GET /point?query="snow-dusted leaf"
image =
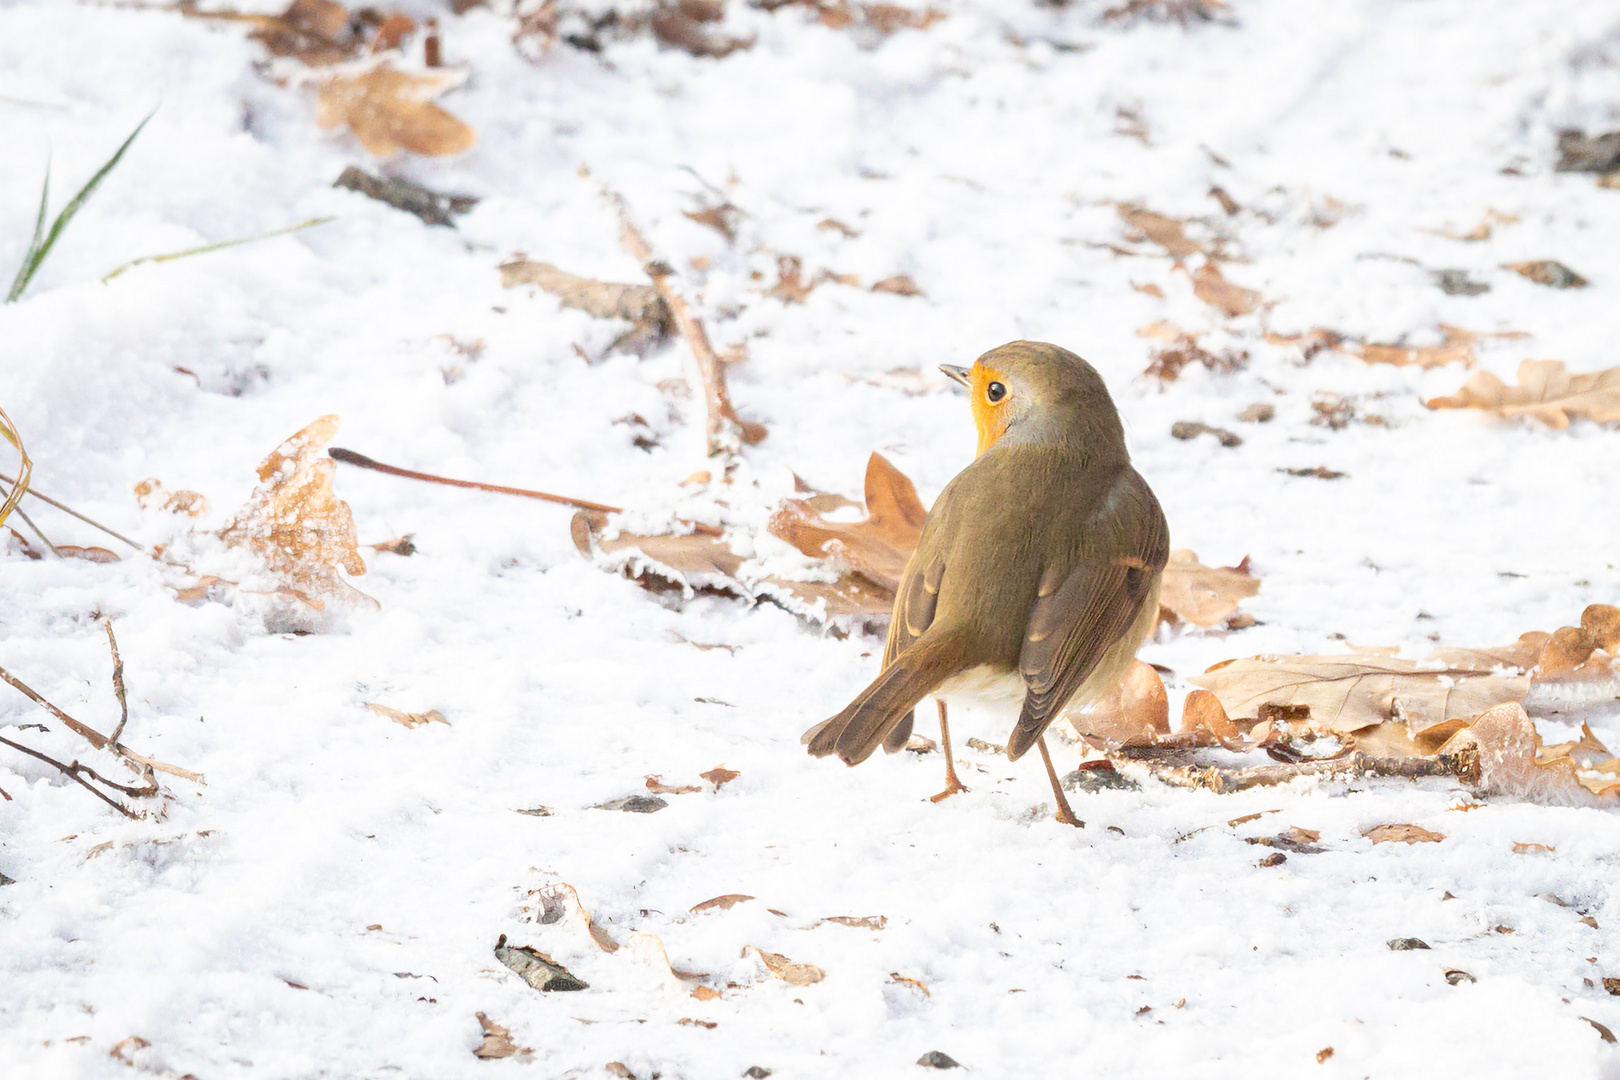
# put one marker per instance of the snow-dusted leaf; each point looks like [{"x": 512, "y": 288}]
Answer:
[
  {"x": 497, "y": 1042},
  {"x": 720, "y": 776},
  {"x": 409, "y": 719},
  {"x": 1159, "y": 228},
  {"x": 296, "y": 524},
  {"x": 877, "y": 546},
  {"x": 1403, "y": 834},
  {"x": 722, "y": 903},
  {"x": 150, "y": 493},
  {"x": 1456, "y": 348},
  {"x": 897, "y": 285},
  {"x": 390, "y": 110},
  {"x": 789, "y": 971},
  {"x": 1134, "y": 713},
  {"x": 1212, "y": 287},
  {"x": 1545, "y": 391},
  {"x": 1351, "y": 692},
  {"x": 1549, "y": 272},
  {"x": 865, "y": 922},
  {"x": 1509, "y": 755},
  {"x": 88, "y": 554},
  {"x": 315, "y": 32},
  {"x": 656, "y": 785},
  {"x": 1204, "y": 595}
]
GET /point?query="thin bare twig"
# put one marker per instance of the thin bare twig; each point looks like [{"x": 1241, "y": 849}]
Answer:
[
  {"x": 44, "y": 498},
  {"x": 726, "y": 430},
  {"x": 96, "y": 738},
  {"x": 1221, "y": 780},
  {"x": 72, "y": 773},
  {"x": 30, "y": 523},
  {"x": 118, "y": 683},
  {"x": 349, "y": 457}
]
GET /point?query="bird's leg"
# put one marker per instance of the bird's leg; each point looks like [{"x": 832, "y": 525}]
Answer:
[
  {"x": 1064, "y": 814},
  {"x": 952, "y": 784}
]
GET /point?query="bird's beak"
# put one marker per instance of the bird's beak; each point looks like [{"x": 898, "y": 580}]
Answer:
[{"x": 960, "y": 374}]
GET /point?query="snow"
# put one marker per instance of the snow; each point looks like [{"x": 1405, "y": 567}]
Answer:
[{"x": 375, "y": 866}]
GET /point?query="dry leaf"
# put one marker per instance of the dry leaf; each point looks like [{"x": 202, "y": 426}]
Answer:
[
  {"x": 722, "y": 903},
  {"x": 865, "y": 922},
  {"x": 1183, "y": 350},
  {"x": 790, "y": 287},
  {"x": 1134, "y": 713},
  {"x": 1507, "y": 748},
  {"x": 1405, "y": 834},
  {"x": 1202, "y": 712},
  {"x": 899, "y": 285},
  {"x": 126, "y": 1048},
  {"x": 656, "y": 785},
  {"x": 1532, "y": 849},
  {"x": 88, "y": 554},
  {"x": 409, "y": 719},
  {"x": 1351, "y": 692},
  {"x": 878, "y": 546},
  {"x": 561, "y": 905},
  {"x": 720, "y": 776},
  {"x": 1545, "y": 391},
  {"x": 1210, "y": 286},
  {"x": 189, "y": 503},
  {"x": 705, "y": 993},
  {"x": 1549, "y": 272},
  {"x": 640, "y": 304},
  {"x": 497, "y": 1041},
  {"x": 297, "y": 526},
  {"x": 680, "y": 26},
  {"x": 399, "y": 545},
  {"x": 1162, "y": 230},
  {"x": 1204, "y": 595},
  {"x": 1458, "y": 347},
  {"x": 392, "y": 110},
  {"x": 794, "y": 974},
  {"x": 1179, "y": 11},
  {"x": 722, "y": 219},
  {"x": 906, "y": 980},
  {"x": 315, "y": 32}
]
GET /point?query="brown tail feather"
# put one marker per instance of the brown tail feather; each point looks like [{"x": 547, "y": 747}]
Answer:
[{"x": 857, "y": 731}]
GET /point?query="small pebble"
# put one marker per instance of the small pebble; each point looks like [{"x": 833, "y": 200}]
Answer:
[
  {"x": 934, "y": 1059},
  {"x": 1402, "y": 944}
]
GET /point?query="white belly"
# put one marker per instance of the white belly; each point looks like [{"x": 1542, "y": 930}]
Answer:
[{"x": 985, "y": 687}]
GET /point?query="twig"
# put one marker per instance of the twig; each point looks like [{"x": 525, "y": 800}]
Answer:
[
  {"x": 30, "y": 523},
  {"x": 118, "y": 684},
  {"x": 44, "y": 498},
  {"x": 96, "y": 738},
  {"x": 725, "y": 429},
  {"x": 1223, "y": 780},
  {"x": 349, "y": 457},
  {"x": 72, "y": 772}
]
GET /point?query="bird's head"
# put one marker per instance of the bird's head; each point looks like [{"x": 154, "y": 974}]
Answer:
[{"x": 1035, "y": 393}]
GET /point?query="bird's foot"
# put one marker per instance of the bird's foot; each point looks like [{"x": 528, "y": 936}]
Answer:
[
  {"x": 952, "y": 787},
  {"x": 1065, "y": 816}
]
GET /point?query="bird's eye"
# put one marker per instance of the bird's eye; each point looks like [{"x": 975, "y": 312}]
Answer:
[{"x": 995, "y": 392}]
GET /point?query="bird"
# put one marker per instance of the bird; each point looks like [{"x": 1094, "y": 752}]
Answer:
[{"x": 1036, "y": 577}]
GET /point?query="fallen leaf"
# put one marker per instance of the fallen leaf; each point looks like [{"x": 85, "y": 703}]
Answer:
[
  {"x": 640, "y": 304},
  {"x": 634, "y": 804},
  {"x": 536, "y": 968},
  {"x": 1405, "y": 834},
  {"x": 899, "y": 285},
  {"x": 720, "y": 776},
  {"x": 1348, "y": 693},
  {"x": 298, "y": 526},
  {"x": 1457, "y": 976},
  {"x": 1134, "y": 713},
  {"x": 939, "y": 1059},
  {"x": 906, "y": 980},
  {"x": 680, "y": 26},
  {"x": 865, "y": 922},
  {"x": 1323, "y": 1054},
  {"x": 409, "y": 719},
  {"x": 1179, "y": 11},
  {"x": 88, "y": 554},
  {"x": 656, "y": 785},
  {"x": 722, "y": 903},
  {"x": 794, "y": 974},
  {"x": 1603, "y": 1032},
  {"x": 1203, "y": 595},
  {"x": 1316, "y": 472},
  {"x": 1191, "y": 429},
  {"x": 126, "y": 1048},
  {"x": 1549, "y": 272},
  {"x": 921, "y": 744},
  {"x": 721, "y": 218},
  {"x": 560, "y": 904},
  {"x": 1457, "y": 347},
  {"x": 1202, "y": 712},
  {"x": 1545, "y": 391},
  {"x": 1579, "y": 152},
  {"x": 1210, "y": 286},
  {"x": 790, "y": 287},
  {"x": 497, "y": 1041},
  {"x": 1532, "y": 849},
  {"x": 390, "y": 110},
  {"x": 878, "y": 546},
  {"x": 1159, "y": 228},
  {"x": 189, "y": 503},
  {"x": 1506, "y": 745},
  {"x": 705, "y": 993},
  {"x": 315, "y": 32},
  {"x": 1184, "y": 350},
  {"x": 1310, "y": 343},
  {"x": 400, "y": 545},
  {"x": 689, "y": 1022},
  {"x": 884, "y": 19}
]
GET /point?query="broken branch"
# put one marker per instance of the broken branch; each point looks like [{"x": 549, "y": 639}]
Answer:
[
  {"x": 118, "y": 683},
  {"x": 73, "y": 771},
  {"x": 724, "y": 428},
  {"x": 1224, "y": 780},
  {"x": 349, "y": 457}
]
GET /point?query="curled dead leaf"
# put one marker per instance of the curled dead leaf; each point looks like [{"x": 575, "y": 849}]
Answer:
[
  {"x": 1204, "y": 595},
  {"x": 898, "y": 285},
  {"x": 722, "y": 903},
  {"x": 720, "y": 776},
  {"x": 390, "y": 110},
  {"x": 1402, "y": 833},
  {"x": 296, "y": 524},
  {"x": 878, "y": 546},
  {"x": 906, "y": 980},
  {"x": 409, "y": 719},
  {"x": 656, "y": 785},
  {"x": 865, "y": 922},
  {"x": 1507, "y": 748},
  {"x": 790, "y": 972},
  {"x": 1212, "y": 287},
  {"x": 1545, "y": 391},
  {"x": 497, "y": 1042},
  {"x": 88, "y": 554},
  {"x": 1134, "y": 713}
]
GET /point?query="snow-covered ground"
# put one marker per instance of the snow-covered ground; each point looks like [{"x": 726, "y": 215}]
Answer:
[{"x": 328, "y": 904}]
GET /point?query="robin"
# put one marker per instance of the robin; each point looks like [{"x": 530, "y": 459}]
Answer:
[{"x": 1037, "y": 573}]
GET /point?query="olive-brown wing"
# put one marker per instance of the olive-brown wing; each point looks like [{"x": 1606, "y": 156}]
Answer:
[{"x": 913, "y": 613}]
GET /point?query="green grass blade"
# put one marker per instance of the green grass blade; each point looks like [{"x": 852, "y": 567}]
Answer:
[
  {"x": 26, "y": 270},
  {"x": 220, "y": 246},
  {"x": 37, "y": 258}
]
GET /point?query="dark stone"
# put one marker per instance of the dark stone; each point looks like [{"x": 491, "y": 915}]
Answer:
[
  {"x": 1458, "y": 283},
  {"x": 1578, "y": 152},
  {"x": 757, "y": 1072},
  {"x": 934, "y": 1059},
  {"x": 1403, "y": 944},
  {"x": 7, "y": 881},
  {"x": 1102, "y": 778},
  {"x": 1276, "y": 858},
  {"x": 1455, "y": 976},
  {"x": 634, "y": 804},
  {"x": 536, "y": 968}
]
